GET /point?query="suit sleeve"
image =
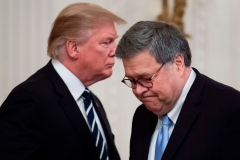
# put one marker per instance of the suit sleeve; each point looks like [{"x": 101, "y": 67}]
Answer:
[
  {"x": 19, "y": 133},
  {"x": 230, "y": 148}
]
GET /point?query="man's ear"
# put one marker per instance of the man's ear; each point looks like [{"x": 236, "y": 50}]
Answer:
[
  {"x": 72, "y": 49},
  {"x": 179, "y": 62}
]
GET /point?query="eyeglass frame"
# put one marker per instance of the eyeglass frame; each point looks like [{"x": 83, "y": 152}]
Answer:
[{"x": 147, "y": 79}]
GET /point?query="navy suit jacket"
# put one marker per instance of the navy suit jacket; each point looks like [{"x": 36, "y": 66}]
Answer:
[
  {"x": 41, "y": 120},
  {"x": 208, "y": 126}
]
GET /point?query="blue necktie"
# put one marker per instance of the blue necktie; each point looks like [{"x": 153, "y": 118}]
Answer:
[
  {"x": 162, "y": 138},
  {"x": 99, "y": 142}
]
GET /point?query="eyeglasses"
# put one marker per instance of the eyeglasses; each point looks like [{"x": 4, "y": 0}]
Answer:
[{"x": 145, "y": 82}]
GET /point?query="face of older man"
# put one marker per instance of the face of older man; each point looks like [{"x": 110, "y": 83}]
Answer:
[
  {"x": 166, "y": 87},
  {"x": 97, "y": 54}
]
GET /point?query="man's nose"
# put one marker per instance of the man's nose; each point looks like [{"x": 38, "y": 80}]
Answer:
[
  {"x": 140, "y": 89},
  {"x": 113, "y": 48}
]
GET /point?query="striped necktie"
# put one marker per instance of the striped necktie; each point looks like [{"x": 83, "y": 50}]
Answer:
[
  {"x": 99, "y": 141},
  {"x": 162, "y": 139}
]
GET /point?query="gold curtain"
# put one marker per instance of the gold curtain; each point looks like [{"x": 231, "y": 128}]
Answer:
[{"x": 177, "y": 16}]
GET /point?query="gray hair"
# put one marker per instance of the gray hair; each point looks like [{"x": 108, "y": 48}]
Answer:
[{"x": 162, "y": 40}]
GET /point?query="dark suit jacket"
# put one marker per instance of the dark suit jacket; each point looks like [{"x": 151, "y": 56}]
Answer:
[
  {"x": 41, "y": 120},
  {"x": 208, "y": 126}
]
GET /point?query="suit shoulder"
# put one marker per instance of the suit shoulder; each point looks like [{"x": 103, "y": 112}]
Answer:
[
  {"x": 35, "y": 86},
  {"x": 221, "y": 89}
]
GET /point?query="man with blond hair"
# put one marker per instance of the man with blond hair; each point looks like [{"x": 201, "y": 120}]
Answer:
[{"x": 53, "y": 114}]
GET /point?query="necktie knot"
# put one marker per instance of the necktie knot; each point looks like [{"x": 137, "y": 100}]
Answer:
[
  {"x": 86, "y": 94},
  {"x": 166, "y": 120}
]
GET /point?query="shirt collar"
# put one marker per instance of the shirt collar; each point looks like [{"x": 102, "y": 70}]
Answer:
[
  {"x": 74, "y": 85},
  {"x": 174, "y": 113}
]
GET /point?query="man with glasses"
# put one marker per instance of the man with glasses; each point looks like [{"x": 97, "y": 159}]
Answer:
[{"x": 184, "y": 115}]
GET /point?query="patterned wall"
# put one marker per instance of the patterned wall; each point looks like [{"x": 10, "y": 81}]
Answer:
[{"x": 25, "y": 25}]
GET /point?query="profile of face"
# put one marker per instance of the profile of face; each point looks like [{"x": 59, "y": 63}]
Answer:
[
  {"x": 166, "y": 83},
  {"x": 98, "y": 53}
]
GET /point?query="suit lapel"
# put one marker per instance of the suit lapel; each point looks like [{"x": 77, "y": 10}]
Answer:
[
  {"x": 112, "y": 150},
  {"x": 101, "y": 113},
  {"x": 143, "y": 126},
  {"x": 71, "y": 109},
  {"x": 186, "y": 117},
  {"x": 150, "y": 130}
]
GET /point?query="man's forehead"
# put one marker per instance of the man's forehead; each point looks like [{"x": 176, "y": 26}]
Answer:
[
  {"x": 142, "y": 59},
  {"x": 137, "y": 70}
]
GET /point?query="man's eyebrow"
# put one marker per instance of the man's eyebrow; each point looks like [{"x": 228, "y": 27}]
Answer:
[
  {"x": 111, "y": 38},
  {"x": 142, "y": 75}
]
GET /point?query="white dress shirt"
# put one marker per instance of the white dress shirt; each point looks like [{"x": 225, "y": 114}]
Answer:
[
  {"x": 173, "y": 115},
  {"x": 76, "y": 88}
]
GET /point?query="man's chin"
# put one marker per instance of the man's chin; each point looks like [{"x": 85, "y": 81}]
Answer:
[
  {"x": 153, "y": 108},
  {"x": 106, "y": 74},
  {"x": 150, "y": 106}
]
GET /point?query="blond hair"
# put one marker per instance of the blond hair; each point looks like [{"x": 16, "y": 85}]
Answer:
[{"x": 76, "y": 22}]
